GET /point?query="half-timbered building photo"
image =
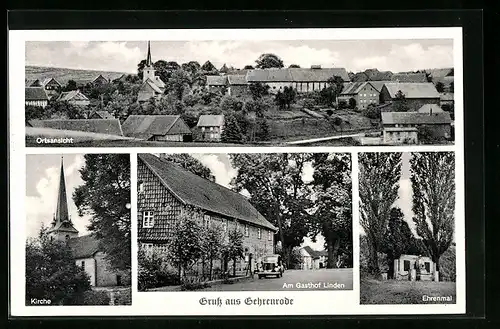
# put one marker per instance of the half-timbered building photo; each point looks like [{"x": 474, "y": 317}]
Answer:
[
  {"x": 239, "y": 221},
  {"x": 78, "y": 249}
]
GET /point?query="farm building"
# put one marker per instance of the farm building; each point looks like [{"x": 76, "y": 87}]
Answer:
[
  {"x": 101, "y": 126},
  {"x": 74, "y": 97},
  {"x": 100, "y": 80},
  {"x": 157, "y": 128},
  {"x": 364, "y": 93},
  {"x": 217, "y": 83},
  {"x": 166, "y": 190},
  {"x": 51, "y": 84},
  {"x": 415, "y": 94},
  {"x": 210, "y": 126},
  {"x": 312, "y": 259},
  {"x": 237, "y": 85},
  {"x": 402, "y": 127},
  {"x": 35, "y": 96},
  {"x": 302, "y": 80},
  {"x": 87, "y": 252}
]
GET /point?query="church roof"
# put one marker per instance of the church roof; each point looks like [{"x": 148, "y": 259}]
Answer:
[
  {"x": 84, "y": 246},
  {"x": 202, "y": 193},
  {"x": 149, "y": 62}
]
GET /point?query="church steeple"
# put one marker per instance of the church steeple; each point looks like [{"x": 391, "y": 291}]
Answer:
[
  {"x": 148, "y": 72},
  {"x": 149, "y": 62},
  {"x": 62, "y": 227},
  {"x": 62, "y": 214}
]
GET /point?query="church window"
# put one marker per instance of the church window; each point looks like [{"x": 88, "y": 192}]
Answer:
[
  {"x": 247, "y": 232},
  {"x": 224, "y": 226},
  {"x": 148, "y": 219},
  {"x": 259, "y": 233},
  {"x": 83, "y": 265},
  {"x": 269, "y": 235},
  {"x": 67, "y": 236},
  {"x": 206, "y": 220}
]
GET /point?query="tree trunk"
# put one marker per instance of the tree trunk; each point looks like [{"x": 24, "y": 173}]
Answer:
[
  {"x": 211, "y": 267},
  {"x": 234, "y": 267},
  {"x": 390, "y": 261},
  {"x": 373, "y": 262},
  {"x": 335, "y": 255}
]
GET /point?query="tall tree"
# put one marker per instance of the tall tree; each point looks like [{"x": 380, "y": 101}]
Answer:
[
  {"x": 333, "y": 215},
  {"x": 439, "y": 87},
  {"x": 267, "y": 61},
  {"x": 208, "y": 67},
  {"x": 191, "y": 67},
  {"x": 401, "y": 104},
  {"x": 105, "y": 195},
  {"x": 379, "y": 175},
  {"x": 248, "y": 67},
  {"x": 258, "y": 89},
  {"x": 433, "y": 185},
  {"x": 275, "y": 183},
  {"x": 189, "y": 163},
  {"x": 231, "y": 132},
  {"x": 140, "y": 68},
  {"x": 70, "y": 85},
  {"x": 399, "y": 239},
  {"x": 51, "y": 272},
  {"x": 178, "y": 83}
]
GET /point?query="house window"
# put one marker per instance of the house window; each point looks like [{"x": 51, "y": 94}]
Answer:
[
  {"x": 269, "y": 236},
  {"x": 141, "y": 187},
  {"x": 148, "y": 219},
  {"x": 406, "y": 265},
  {"x": 83, "y": 265},
  {"x": 147, "y": 247},
  {"x": 206, "y": 220},
  {"x": 259, "y": 233},
  {"x": 247, "y": 232},
  {"x": 224, "y": 226}
]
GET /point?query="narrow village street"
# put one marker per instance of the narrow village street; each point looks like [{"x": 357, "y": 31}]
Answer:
[{"x": 294, "y": 280}]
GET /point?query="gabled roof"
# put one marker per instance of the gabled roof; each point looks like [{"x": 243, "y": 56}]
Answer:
[
  {"x": 35, "y": 94},
  {"x": 103, "y": 114},
  {"x": 102, "y": 126},
  {"x": 202, "y": 193},
  {"x": 150, "y": 83},
  {"x": 354, "y": 88},
  {"x": 409, "y": 77},
  {"x": 379, "y": 84},
  {"x": 412, "y": 90},
  {"x": 440, "y": 73},
  {"x": 147, "y": 126},
  {"x": 315, "y": 253},
  {"x": 211, "y": 120},
  {"x": 34, "y": 83},
  {"x": 84, "y": 246},
  {"x": 237, "y": 79},
  {"x": 296, "y": 75},
  {"x": 430, "y": 108},
  {"x": 50, "y": 80},
  {"x": 415, "y": 118},
  {"x": 99, "y": 77},
  {"x": 216, "y": 80},
  {"x": 72, "y": 95}
]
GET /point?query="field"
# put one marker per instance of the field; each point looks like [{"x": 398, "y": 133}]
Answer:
[
  {"x": 63, "y": 75},
  {"x": 404, "y": 292}
]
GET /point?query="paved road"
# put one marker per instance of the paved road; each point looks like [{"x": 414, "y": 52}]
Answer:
[
  {"x": 297, "y": 280},
  {"x": 323, "y": 139}
]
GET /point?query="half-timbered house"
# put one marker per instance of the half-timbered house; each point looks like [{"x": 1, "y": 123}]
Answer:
[{"x": 166, "y": 190}]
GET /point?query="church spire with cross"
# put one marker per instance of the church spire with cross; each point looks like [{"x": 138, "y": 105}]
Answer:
[
  {"x": 62, "y": 228},
  {"x": 149, "y": 62}
]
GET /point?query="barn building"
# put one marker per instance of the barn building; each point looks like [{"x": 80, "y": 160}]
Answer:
[
  {"x": 415, "y": 94},
  {"x": 74, "y": 97},
  {"x": 157, "y": 128},
  {"x": 86, "y": 250},
  {"x": 364, "y": 94},
  {"x": 35, "y": 96},
  {"x": 166, "y": 190}
]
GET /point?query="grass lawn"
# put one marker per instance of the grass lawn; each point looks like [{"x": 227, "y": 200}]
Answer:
[{"x": 404, "y": 292}]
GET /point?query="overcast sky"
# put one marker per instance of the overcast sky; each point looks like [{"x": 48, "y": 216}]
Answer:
[
  {"x": 223, "y": 171},
  {"x": 42, "y": 185},
  {"x": 354, "y": 55}
]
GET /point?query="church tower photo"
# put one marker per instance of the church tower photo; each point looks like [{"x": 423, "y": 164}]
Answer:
[
  {"x": 152, "y": 85},
  {"x": 62, "y": 228}
]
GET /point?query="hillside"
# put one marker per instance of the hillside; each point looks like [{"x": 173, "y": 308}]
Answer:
[{"x": 63, "y": 74}]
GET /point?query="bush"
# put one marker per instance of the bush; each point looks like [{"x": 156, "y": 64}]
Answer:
[
  {"x": 96, "y": 298},
  {"x": 153, "y": 273},
  {"x": 191, "y": 99},
  {"x": 193, "y": 283},
  {"x": 123, "y": 297},
  {"x": 372, "y": 112}
]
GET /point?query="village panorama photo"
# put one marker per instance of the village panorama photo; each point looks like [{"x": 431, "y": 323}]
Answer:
[
  {"x": 244, "y": 222},
  {"x": 78, "y": 247},
  {"x": 239, "y": 93},
  {"x": 407, "y": 219}
]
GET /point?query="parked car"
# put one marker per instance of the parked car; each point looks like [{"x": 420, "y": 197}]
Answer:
[{"x": 270, "y": 265}]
